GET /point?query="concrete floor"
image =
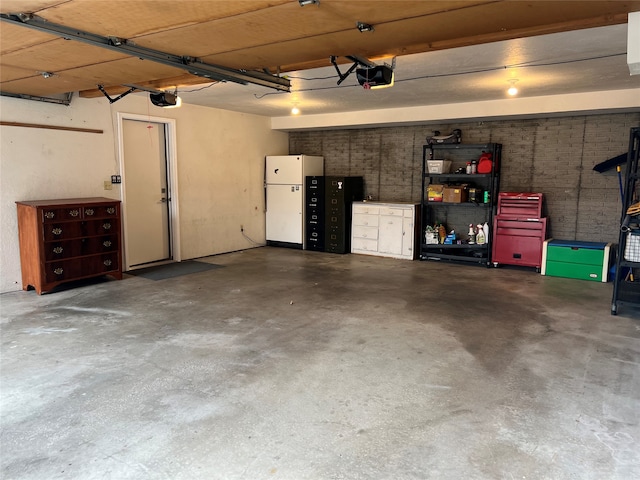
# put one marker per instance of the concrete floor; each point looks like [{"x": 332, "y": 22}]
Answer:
[{"x": 298, "y": 365}]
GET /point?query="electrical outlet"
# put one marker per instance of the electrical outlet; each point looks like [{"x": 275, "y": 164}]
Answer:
[{"x": 108, "y": 185}]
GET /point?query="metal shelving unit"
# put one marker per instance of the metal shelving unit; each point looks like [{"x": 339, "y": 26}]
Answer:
[
  {"x": 626, "y": 284},
  {"x": 457, "y": 215}
]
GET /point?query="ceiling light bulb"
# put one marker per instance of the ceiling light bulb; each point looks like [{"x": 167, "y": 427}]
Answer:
[
  {"x": 512, "y": 89},
  {"x": 295, "y": 111}
]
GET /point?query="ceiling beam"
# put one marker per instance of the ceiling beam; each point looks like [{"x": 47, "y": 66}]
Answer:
[{"x": 192, "y": 65}]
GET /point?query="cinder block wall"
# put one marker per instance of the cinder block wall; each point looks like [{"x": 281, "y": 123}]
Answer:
[{"x": 554, "y": 156}]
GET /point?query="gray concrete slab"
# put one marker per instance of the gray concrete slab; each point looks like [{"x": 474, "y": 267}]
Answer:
[{"x": 298, "y": 365}]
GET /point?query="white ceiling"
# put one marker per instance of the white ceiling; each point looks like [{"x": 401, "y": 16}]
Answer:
[{"x": 555, "y": 64}]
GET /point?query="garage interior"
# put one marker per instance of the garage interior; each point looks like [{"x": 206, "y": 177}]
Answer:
[{"x": 283, "y": 363}]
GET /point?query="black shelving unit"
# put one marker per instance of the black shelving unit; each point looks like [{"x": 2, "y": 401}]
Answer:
[
  {"x": 458, "y": 216},
  {"x": 626, "y": 284}
]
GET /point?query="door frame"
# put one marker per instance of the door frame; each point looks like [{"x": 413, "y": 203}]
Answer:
[{"x": 172, "y": 181}]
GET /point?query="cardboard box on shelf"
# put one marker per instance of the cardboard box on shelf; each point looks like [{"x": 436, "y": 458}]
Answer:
[
  {"x": 434, "y": 192},
  {"x": 454, "y": 194}
]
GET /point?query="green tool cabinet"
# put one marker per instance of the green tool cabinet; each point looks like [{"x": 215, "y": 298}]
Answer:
[{"x": 575, "y": 259}]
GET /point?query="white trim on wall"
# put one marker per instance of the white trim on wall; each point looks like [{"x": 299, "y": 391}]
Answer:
[{"x": 172, "y": 156}]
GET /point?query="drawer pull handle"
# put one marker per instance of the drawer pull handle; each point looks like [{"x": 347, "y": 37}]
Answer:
[
  {"x": 107, "y": 263},
  {"x": 106, "y": 226},
  {"x": 57, "y": 250},
  {"x": 74, "y": 213},
  {"x": 57, "y": 231},
  {"x": 58, "y": 271},
  {"x": 89, "y": 211},
  {"x": 106, "y": 243},
  {"x": 49, "y": 215},
  {"x": 111, "y": 210}
]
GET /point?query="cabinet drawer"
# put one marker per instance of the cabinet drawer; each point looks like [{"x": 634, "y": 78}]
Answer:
[
  {"x": 51, "y": 215},
  {"x": 100, "y": 211},
  {"x": 61, "y": 231},
  {"x": 396, "y": 212},
  {"x": 574, "y": 270},
  {"x": 365, "y": 220},
  {"x": 575, "y": 255},
  {"x": 101, "y": 227},
  {"x": 107, "y": 243},
  {"x": 96, "y": 264},
  {"x": 360, "y": 231},
  {"x": 364, "y": 245},
  {"x": 366, "y": 209},
  {"x": 62, "y": 270},
  {"x": 61, "y": 250}
]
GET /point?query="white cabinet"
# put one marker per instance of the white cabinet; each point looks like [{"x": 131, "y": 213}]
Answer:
[{"x": 385, "y": 229}]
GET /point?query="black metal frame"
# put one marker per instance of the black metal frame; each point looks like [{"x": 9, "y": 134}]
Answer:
[
  {"x": 460, "y": 253},
  {"x": 625, "y": 291}
]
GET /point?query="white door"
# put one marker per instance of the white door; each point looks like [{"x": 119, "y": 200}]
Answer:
[
  {"x": 284, "y": 213},
  {"x": 390, "y": 234},
  {"x": 407, "y": 236},
  {"x": 146, "y": 192},
  {"x": 284, "y": 169}
]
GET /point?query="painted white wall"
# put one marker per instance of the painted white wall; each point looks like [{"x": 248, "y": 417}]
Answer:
[{"x": 220, "y": 163}]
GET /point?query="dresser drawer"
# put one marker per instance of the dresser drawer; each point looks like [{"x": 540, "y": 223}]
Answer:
[
  {"x": 366, "y": 209},
  {"x": 101, "y": 227},
  {"x": 107, "y": 262},
  {"x": 395, "y": 212},
  {"x": 107, "y": 243},
  {"x": 63, "y": 249},
  {"x": 365, "y": 220},
  {"x": 365, "y": 232},
  {"x": 52, "y": 215},
  {"x": 62, "y": 270},
  {"x": 100, "y": 211},
  {"x": 62, "y": 231},
  {"x": 364, "y": 244}
]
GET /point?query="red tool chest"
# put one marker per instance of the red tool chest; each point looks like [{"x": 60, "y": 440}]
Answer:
[{"x": 519, "y": 230}]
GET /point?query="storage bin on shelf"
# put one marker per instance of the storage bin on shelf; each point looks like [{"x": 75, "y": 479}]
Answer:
[
  {"x": 438, "y": 166},
  {"x": 632, "y": 248}
]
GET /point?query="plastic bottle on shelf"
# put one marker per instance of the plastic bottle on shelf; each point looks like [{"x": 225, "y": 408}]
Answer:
[
  {"x": 468, "y": 168},
  {"x": 485, "y": 229},
  {"x": 474, "y": 166},
  {"x": 472, "y": 235},
  {"x": 480, "y": 239}
]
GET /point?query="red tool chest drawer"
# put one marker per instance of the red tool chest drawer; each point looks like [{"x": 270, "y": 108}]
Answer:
[
  {"x": 518, "y": 242},
  {"x": 522, "y": 206}
]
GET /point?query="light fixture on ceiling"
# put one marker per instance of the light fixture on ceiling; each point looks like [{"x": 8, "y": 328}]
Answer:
[
  {"x": 295, "y": 110},
  {"x": 304, "y": 3},
  {"x": 512, "y": 89},
  {"x": 364, "y": 27},
  {"x": 46, "y": 74}
]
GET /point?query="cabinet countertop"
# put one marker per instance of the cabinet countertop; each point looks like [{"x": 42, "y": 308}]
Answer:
[
  {"x": 67, "y": 201},
  {"x": 402, "y": 204}
]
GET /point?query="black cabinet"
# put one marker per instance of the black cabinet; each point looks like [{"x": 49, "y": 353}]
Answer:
[
  {"x": 340, "y": 193},
  {"x": 473, "y": 205},
  {"x": 314, "y": 218},
  {"x": 626, "y": 284}
]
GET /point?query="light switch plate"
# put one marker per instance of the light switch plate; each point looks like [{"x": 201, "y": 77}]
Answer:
[{"x": 107, "y": 185}]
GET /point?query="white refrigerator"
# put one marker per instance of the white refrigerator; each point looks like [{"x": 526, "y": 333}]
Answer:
[{"x": 285, "y": 197}]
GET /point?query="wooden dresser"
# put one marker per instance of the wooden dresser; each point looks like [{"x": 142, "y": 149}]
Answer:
[{"x": 68, "y": 239}]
